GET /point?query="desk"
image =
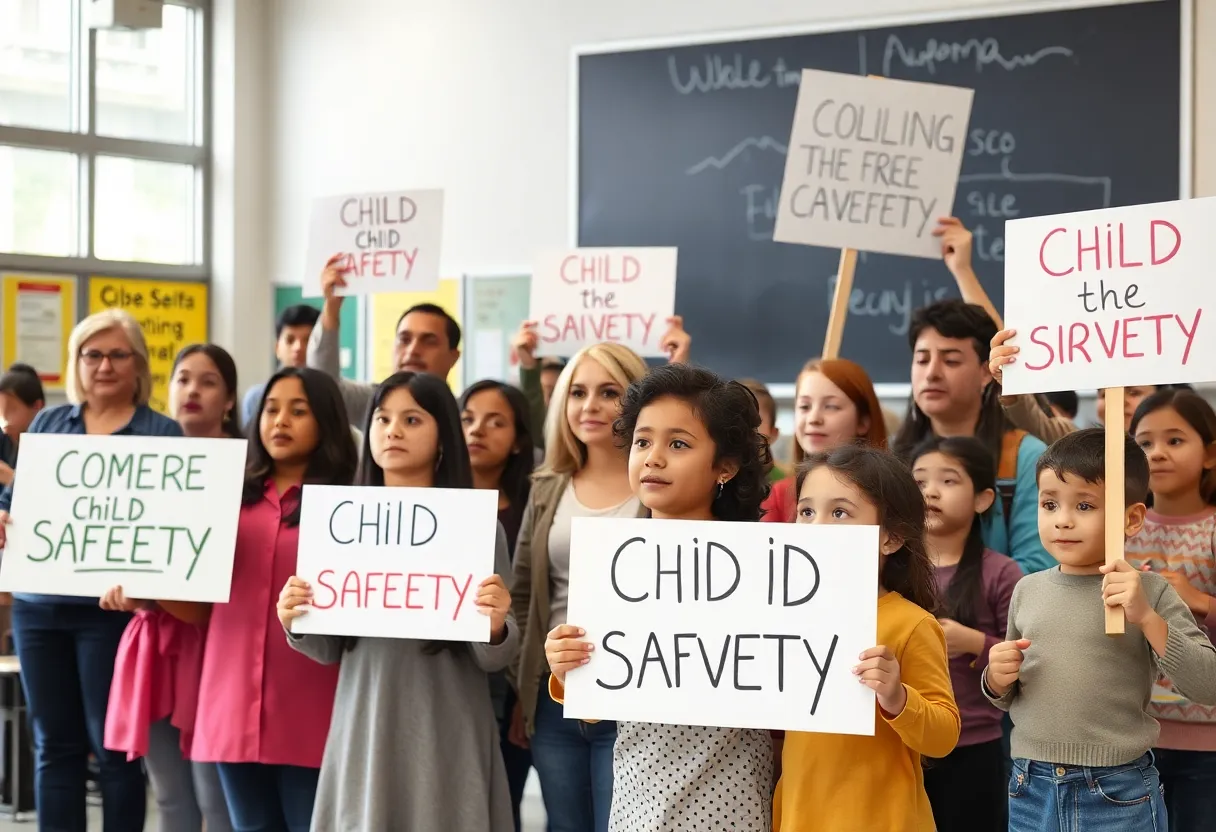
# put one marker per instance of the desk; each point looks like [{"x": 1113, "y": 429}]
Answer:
[{"x": 17, "y": 765}]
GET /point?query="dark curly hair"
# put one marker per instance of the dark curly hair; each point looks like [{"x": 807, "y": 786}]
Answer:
[
  {"x": 730, "y": 414},
  {"x": 888, "y": 484}
]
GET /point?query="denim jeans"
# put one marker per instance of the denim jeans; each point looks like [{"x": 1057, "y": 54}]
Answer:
[
  {"x": 1189, "y": 779},
  {"x": 574, "y": 762},
  {"x": 266, "y": 798},
  {"x": 67, "y": 655},
  {"x": 1045, "y": 797}
]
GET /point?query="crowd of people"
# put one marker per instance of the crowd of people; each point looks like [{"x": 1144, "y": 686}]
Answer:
[{"x": 1000, "y": 702}]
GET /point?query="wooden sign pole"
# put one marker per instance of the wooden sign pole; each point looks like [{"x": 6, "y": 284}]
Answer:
[
  {"x": 840, "y": 303},
  {"x": 1115, "y": 438}
]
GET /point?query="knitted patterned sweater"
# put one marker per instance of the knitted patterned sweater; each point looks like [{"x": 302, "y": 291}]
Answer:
[{"x": 1186, "y": 545}]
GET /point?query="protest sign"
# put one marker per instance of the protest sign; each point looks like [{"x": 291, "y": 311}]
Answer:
[
  {"x": 1109, "y": 298},
  {"x": 396, "y": 562},
  {"x": 872, "y": 163},
  {"x": 389, "y": 241},
  {"x": 154, "y": 515},
  {"x": 589, "y": 295},
  {"x": 740, "y": 625}
]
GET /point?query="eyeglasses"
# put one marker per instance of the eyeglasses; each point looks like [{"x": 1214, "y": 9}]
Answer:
[{"x": 93, "y": 358}]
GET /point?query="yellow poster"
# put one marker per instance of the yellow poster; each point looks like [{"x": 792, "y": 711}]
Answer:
[
  {"x": 39, "y": 313},
  {"x": 386, "y": 310},
  {"x": 171, "y": 313}
]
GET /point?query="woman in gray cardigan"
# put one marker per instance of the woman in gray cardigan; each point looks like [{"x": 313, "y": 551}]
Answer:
[{"x": 414, "y": 741}]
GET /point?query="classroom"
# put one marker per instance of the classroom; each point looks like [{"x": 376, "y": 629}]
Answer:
[{"x": 871, "y": 274}]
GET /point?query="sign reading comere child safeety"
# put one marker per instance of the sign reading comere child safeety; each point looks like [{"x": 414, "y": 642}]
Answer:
[
  {"x": 1112, "y": 298},
  {"x": 872, "y": 163},
  {"x": 588, "y": 295},
  {"x": 154, "y": 515},
  {"x": 396, "y": 562},
  {"x": 387, "y": 242},
  {"x": 739, "y": 625}
]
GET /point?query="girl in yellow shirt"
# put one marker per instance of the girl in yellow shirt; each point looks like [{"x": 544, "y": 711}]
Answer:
[{"x": 846, "y": 783}]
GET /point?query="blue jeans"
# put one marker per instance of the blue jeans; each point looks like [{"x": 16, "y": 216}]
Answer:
[
  {"x": 1189, "y": 778},
  {"x": 574, "y": 762},
  {"x": 1044, "y": 797},
  {"x": 265, "y": 798},
  {"x": 67, "y": 660}
]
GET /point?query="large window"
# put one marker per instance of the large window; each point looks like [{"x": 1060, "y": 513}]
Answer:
[{"x": 103, "y": 151}]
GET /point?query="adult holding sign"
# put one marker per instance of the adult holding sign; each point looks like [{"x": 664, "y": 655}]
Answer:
[
  {"x": 696, "y": 455},
  {"x": 399, "y": 683},
  {"x": 67, "y": 645},
  {"x": 428, "y": 341}
]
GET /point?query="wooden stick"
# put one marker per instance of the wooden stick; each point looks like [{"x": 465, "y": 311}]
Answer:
[
  {"x": 1115, "y": 438},
  {"x": 840, "y": 303}
]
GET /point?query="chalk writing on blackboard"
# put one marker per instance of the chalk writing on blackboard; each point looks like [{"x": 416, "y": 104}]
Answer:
[{"x": 984, "y": 53}]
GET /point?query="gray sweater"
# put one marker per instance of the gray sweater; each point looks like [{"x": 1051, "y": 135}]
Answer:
[
  {"x": 413, "y": 743},
  {"x": 1082, "y": 697}
]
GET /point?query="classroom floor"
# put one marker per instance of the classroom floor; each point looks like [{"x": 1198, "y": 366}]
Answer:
[{"x": 532, "y": 812}]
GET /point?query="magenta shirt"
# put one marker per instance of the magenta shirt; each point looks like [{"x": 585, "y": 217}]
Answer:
[
  {"x": 260, "y": 701},
  {"x": 981, "y": 719}
]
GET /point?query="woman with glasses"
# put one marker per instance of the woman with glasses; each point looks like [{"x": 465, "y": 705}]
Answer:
[{"x": 67, "y": 645}]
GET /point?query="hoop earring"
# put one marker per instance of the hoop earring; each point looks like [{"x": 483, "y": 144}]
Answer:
[
  {"x": 721, "y": 485},
  {"x": 439, "y": 459}
]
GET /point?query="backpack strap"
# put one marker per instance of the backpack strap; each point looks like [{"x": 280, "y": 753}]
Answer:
[{"x": 1007, "y": 470}]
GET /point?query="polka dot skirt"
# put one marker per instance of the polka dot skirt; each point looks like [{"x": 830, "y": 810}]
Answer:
[{"x": 676, "y": 778}]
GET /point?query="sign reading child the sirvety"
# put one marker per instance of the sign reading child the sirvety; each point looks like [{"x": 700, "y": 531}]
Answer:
[
  {"x": 396, "y": 562},
  {"x": 584, "y": 296},
  {"x": 872, "y": 163},
  {"x": 1112, "y": 298},
  {"x": 738, "y": 625},
  {"x": 388, "y": 242},
  {"x": 154, "y": 515}
]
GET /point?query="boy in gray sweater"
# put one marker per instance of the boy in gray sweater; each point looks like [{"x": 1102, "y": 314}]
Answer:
[{"x": 1078, "y": 698}]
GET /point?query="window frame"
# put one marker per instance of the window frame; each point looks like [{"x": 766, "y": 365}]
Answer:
[{"x": 81, "y": 139}]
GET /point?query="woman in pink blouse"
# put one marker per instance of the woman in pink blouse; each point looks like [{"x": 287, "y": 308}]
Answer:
[
  {"x": 154, "y": 692},
  {"x": 264, "y": 709}
]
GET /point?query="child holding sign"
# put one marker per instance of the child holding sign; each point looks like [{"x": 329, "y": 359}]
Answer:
[
  {"x": 956, "y": 475},
  {"x": 1082, "y": 731},
  {"x": 1177, "y": 430},
  {"x": 696, "y": 454},
  {"x": 832, "y": 782},
  {"x": 264, "y": 710},
  {"x": 414, "y": 741}
]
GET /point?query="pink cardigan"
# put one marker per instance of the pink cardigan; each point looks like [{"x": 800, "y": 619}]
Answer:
[{"x": 156, "y": 676}]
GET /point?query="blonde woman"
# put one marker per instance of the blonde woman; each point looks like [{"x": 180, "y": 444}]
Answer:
[
  {"x": 67, "y": 645},
  {"x": 584, "y": 475}
]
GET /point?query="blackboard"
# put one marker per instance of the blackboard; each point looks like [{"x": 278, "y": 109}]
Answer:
[{"x": 685, "y": 146}]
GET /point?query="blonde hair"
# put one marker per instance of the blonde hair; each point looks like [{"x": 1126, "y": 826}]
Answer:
[
  {"x": 564, "y": 452},
  {"x": 93, "y": 326}
]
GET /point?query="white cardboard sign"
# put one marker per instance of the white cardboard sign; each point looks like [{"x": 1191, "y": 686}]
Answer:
[
  {"x": 588, "y": 295},
  {"x": 1111, "y": 298},
  {"x": 738, "y": 625},
  {"x": 396, "y": 562},
  {"x": 872, "y": 163},
  {"x": 155, "y": 515},
  {"x": 390, "y": 241}
]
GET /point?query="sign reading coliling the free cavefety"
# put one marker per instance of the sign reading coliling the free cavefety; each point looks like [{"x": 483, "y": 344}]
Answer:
[
  {"x": 739, "y": 625},
  {"x": 155, "y": 515}
]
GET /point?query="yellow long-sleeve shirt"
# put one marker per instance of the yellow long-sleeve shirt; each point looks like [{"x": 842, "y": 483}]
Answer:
[{"x": 847, "y": 783}]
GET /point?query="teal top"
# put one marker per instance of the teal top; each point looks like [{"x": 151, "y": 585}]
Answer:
[{"x": 1020, "y": 537}]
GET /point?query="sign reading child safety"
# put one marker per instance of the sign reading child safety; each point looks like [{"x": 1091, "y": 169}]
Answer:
[
  {"x": 396, "y": 562},
  {"x": 1111, "y": 298},
  {"x": 738, "y": 625},
  {"x": 156, "y": 516},
  {"x": 389, "y": 242},
  {"x": 872, "y": 163},
  {"x": 589, "y": 295}
]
